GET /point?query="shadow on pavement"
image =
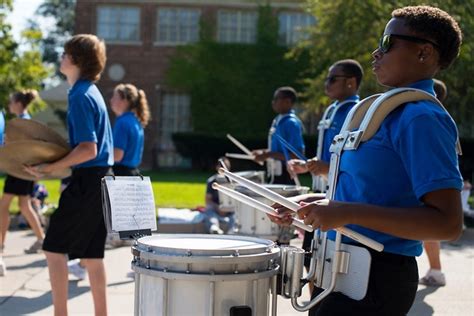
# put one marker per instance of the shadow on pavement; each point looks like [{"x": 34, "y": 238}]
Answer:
[
  {"x": 19, "y": 305},
  {"x": 420, "y": 307}
]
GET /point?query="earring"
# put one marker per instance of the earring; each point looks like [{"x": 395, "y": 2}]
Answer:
[
  {"x": 422, "y": 59},
  {"x": 349, "y": 86}
]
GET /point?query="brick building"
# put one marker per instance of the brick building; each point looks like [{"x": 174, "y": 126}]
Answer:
[{"x": 142, "y": 35}]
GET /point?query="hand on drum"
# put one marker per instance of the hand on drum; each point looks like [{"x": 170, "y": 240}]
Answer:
[
  {"x": 297, "y": 166},
  {"x": 317, "y": 167}
]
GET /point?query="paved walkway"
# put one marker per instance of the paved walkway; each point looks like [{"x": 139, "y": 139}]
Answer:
[{"x": 25, "y": 290}]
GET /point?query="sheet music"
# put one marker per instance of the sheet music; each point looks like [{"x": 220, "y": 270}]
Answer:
[{"x": 131, "y": 204}]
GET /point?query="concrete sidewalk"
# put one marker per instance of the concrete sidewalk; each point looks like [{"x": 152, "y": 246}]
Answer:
[{"x": 25, "y": 290}]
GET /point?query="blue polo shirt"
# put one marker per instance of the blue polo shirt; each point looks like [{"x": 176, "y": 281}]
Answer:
[
  {"x": 88, "y": 121},
  {"x": 129, "y": 137},
  {"x": 336, "y": 124},
  {"x": 413, "y": 153},
  {"x": 290, "y": 128},
  {"x": 2, "y": 128}
]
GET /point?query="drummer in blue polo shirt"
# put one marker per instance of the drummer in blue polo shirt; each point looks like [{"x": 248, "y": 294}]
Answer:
[
  {"x": 403, "y": 185},
  {"x": 131, "y": 107},
  {"x": 288, "y": 126}
]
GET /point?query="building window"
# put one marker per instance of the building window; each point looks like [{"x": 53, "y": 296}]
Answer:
[
  {"x": 177, "y": 26},
  {"x": 236, "y": 26},
  {"x": 118, "y": 23},
  {"x": 175, "y": 117},
  {"x": 293, "y": 26}
]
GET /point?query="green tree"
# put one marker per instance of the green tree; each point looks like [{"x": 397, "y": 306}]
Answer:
[
  {"x": 231, "y": 85},
  {"x": 351, "y": 29},
  {"x": 62, "y": 12},
  {"x": 18, "y": 70}
]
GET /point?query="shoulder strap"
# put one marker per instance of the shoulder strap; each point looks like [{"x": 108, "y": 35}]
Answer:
[{"x": 369, "y": 114}]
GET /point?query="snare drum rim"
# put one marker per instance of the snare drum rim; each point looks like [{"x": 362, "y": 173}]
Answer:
[
  {"x": 206, "y": 276},
  {"x": 261, "y": 246}
]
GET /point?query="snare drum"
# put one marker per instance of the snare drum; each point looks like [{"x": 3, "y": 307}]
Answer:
[
  {"x": 178, "y": 275},
  {"x": 255, "y": 223},
  {"x": 226, "y": 203}
]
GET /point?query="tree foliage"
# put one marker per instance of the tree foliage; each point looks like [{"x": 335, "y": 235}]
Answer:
[
  {"x": 18, "y": 69},
  {"x": 62, "y": 12},
  {"x": 231, "y": 85},
  {"x": 351, "y": 29}
]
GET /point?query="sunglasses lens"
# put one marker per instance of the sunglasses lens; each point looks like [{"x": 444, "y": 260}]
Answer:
[{"x": 384, "y": 45}]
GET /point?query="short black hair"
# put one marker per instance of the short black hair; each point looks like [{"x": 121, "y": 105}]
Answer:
[
  {"x": 436, "y": 25},
  {"x": 440, "y": 89},
  {"x": 352, "y": 68},
  {"x": 287, "y": 93}
]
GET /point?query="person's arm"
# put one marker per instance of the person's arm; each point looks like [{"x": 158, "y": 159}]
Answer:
[
  {"x": 439, "y": 219},
  {"x": 118, "y": 154},
  {"x": 81, "y": 153}
]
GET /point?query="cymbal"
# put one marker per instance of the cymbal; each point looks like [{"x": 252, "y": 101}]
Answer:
[
  {"x": 19, "y": 129},
  {"x": 15, "y": 155}
]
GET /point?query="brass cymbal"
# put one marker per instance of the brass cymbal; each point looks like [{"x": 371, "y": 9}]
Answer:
[
  {"x": 15, "y": 155},
  {"x": 19, "y": 129}
]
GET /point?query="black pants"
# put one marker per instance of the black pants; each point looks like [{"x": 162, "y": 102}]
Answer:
[
  {"x": 123, "y": 171},
  {"x": 391, "y": 292}
]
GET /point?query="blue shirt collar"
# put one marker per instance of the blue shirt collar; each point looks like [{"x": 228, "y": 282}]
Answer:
[
  {"x": 354, "y": 97},
  {"x": 79, "y": 83},
  {"x": 426, "y": 85}
]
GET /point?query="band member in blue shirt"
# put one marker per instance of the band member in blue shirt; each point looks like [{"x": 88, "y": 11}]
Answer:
[
  {"x": 403, "y": 185},
  {"x": 288, "y": 126},
  {"x": 77, "y": 228},
  {"x": 131, "y": 107},
  {"x": 18, "y": 105}
]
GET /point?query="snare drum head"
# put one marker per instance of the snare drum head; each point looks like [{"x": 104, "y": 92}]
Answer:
[{"x": 206, "y": 245}]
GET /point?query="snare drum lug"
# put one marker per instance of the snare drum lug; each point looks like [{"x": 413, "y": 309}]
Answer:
[
  {"x": 189, "y": 253},
  {"x": 236, "y": 253},
  {"x": 149, "y": 249},
  {"x": 147, "y": 266},
  {"x": 165, "y": 269}
]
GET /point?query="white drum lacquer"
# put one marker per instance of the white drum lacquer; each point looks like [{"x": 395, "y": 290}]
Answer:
[
  {"x": 254, "y": 223},
  {"x": 226, "y": 203},
  {"x": 179, "y": 275}
]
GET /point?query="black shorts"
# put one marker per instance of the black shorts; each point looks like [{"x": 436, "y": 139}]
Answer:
[
  {"x": 18, "y": 186},
  {"x": 77, "y": 227},
  {"x": 123, "y": 171},
  {"x": 392, "y": 288}
]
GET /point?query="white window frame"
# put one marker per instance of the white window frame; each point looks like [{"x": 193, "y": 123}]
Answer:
[
  {"x": 166, "y": 131},
  {"x": 290, "y": 34},
  {"x": 179, "y": 41},
  {"x": 238, "y": 38},
  {"x": 118, "y": 24}
]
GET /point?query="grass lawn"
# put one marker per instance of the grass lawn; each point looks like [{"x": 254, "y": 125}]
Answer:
[{"x": 180, "y": 189}]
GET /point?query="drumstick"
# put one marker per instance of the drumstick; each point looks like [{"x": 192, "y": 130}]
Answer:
[
  {"x": 242, "y": 147},
  {"x": 277, "y": 198},
  {"x": 258, "y": 205},
  {"x": 240, "y": 156},
  {"x": 291, "y": 148}
]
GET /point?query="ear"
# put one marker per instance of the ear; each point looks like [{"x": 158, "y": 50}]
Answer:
[
  {"x": 351, "y": 83},
  {"x": 426, "y": 51}
]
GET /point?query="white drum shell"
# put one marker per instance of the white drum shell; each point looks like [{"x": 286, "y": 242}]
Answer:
[
  {"x": 252, "y": 222},
  {"x": 191, "y": 279}
]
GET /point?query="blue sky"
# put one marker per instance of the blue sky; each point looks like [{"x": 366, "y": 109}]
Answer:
[{"x": 22, "y": 11}]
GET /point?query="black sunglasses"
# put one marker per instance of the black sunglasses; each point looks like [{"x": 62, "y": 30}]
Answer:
[
  {"x": 332, "y": 79},
  {"x": 386, "y": 41}
]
